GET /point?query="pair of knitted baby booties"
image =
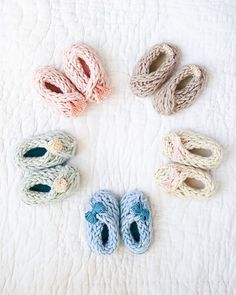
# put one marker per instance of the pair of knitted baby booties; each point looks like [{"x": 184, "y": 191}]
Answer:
[
  {"x": 106, "y": 219},
  {"x": 152, "y": 76},
  {"x": 193, "y": 155},
  {"x": 82, "y": 81},
  {"x": 49, "y": 177}
]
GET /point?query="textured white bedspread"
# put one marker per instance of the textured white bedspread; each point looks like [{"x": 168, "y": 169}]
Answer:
[{"x": 43, "y": 250}]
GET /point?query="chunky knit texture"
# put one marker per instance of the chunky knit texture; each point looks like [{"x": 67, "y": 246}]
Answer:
[
  {"x": 181, "y": 147},
  {"x": 102, "y": 220},
  {"x": 57, "y": 147},
  {"x": 61, "y": 180},
  {"x": 144, "y": 81},
  {"x": 172, "y": 179},
  {"x": 136, "y": 221},
  {"x": 57, "y": 89},
  {"x": 84, "y": 69},
  {"x": 84, "y": 81},
  {"x": 173, "y": 96}
]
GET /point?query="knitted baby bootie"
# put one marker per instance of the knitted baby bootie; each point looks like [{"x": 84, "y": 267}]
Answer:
[
  {"x": 180, "y": 91},
  {"x": 192, "y": 149},
  {"x": 153, "y": 69},
  {"x": 185, "y": 181},
  {"x": 136, "y": 221},
  {"x": 102, "y": 220},
  {"x": 85, "y": 70},
  {"x": 46, "y": 150},
  {"x": 57, "y": 89},
  {"x": 50, "y": 184}
]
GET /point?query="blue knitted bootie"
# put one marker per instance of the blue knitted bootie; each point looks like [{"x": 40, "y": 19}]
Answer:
[
  {"x": 136, "y": 221},
  {"x": 102, "y": 220}
]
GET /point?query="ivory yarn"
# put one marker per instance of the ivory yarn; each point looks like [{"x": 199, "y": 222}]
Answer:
[
  {"x": 182, "y": 147},
  {"x": 173, "y": 178}
]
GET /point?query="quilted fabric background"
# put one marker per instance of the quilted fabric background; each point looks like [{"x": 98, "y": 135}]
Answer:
[{"x": 43, "y": 249}]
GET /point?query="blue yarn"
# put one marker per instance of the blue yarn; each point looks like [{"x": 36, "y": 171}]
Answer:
[
  {"x": 91, "y": 216},
  {"x": 103, "y": 222},
  {"x": 138, "y": 210},
  {"x": 136, "y": 221}
]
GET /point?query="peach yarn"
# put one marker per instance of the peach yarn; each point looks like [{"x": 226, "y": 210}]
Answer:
[
  {"x": 56, "y": 88},
  {"x": 85, "y": 70},
  {"x": 84, "y": 81}
]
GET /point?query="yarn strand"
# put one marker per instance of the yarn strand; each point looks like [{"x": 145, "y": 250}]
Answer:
[
  {"x": 84, "y": 69},
  {"x": 84, "y": 81},
  {"x": 144, "y": 81},
  {"x": 56, "y": 88},
  {"x": 175, "y": 96}
]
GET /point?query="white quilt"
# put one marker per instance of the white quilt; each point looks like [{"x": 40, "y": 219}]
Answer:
[{"x": 43, "y": 250}]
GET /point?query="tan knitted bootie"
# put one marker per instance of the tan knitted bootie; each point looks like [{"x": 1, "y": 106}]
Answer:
[
  {"x": 153, "y": 69},
  {"x": 180, "y": 91}
]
